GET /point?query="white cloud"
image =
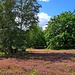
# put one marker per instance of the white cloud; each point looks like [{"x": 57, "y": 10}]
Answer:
[
  {"x": 44, "y": 27},
  {"x": 45, "y": 0},
  {"x": 43, "y": 19}
]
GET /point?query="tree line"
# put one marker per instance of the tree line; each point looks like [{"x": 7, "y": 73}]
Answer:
[{"x": 19, "y": 27}]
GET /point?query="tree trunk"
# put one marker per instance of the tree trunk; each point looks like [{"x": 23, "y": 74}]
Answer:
[{"x": 10, "y": 51}]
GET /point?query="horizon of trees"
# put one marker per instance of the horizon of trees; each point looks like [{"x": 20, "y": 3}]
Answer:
[{"x": 26, "y": 33}]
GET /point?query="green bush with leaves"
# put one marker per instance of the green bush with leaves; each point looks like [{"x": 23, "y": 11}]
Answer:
[
  {"x": 35, "y": 37},
  {"x": 60, "y": 33}
]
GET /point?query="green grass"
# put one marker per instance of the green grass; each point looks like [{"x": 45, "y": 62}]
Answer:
[{"x": 2, "y": 54}]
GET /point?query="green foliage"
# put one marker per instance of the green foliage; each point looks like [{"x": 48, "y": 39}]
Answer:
[
  {"x": 11, "y": 30},
  {"x": 60, "y": 33},
  {"x": 35, "y": 37},
  {"x": 34, "y": 72}
]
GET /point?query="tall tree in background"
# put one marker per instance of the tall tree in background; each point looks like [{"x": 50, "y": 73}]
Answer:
[
  {"x": 35, "y": 37},
  {"x": 14, "y": 16},
  {"x": 60, "y": 33},
  {"x": 26, "y": 11}
]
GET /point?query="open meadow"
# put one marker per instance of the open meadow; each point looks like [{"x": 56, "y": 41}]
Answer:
[
  {"x": 39, "y": 62},
  {"x": 37, "y": 37}
]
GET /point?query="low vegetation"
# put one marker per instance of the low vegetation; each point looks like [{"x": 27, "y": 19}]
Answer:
[
  {"x": 39, "y": 62},
  {"x": 19, "y": 30}
]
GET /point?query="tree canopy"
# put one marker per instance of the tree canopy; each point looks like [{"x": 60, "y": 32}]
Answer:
[
  {"x": 60, "y": 33},
  {"x": 15, "y": 17},
  {"x": 35, "y": 37}
]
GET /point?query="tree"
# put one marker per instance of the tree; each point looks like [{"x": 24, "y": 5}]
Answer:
[
  {"x": 60, "y": 33},
  {"x": 7, "y": 22},
  {"x": 26, "y": 13},
  {"x": 35, "y": 37}
]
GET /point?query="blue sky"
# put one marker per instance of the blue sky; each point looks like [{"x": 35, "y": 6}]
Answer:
[{"x": 50, "y": 8}]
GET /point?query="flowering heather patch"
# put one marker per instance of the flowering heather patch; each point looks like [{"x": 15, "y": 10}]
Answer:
[{"x": 40, "y": 62}]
